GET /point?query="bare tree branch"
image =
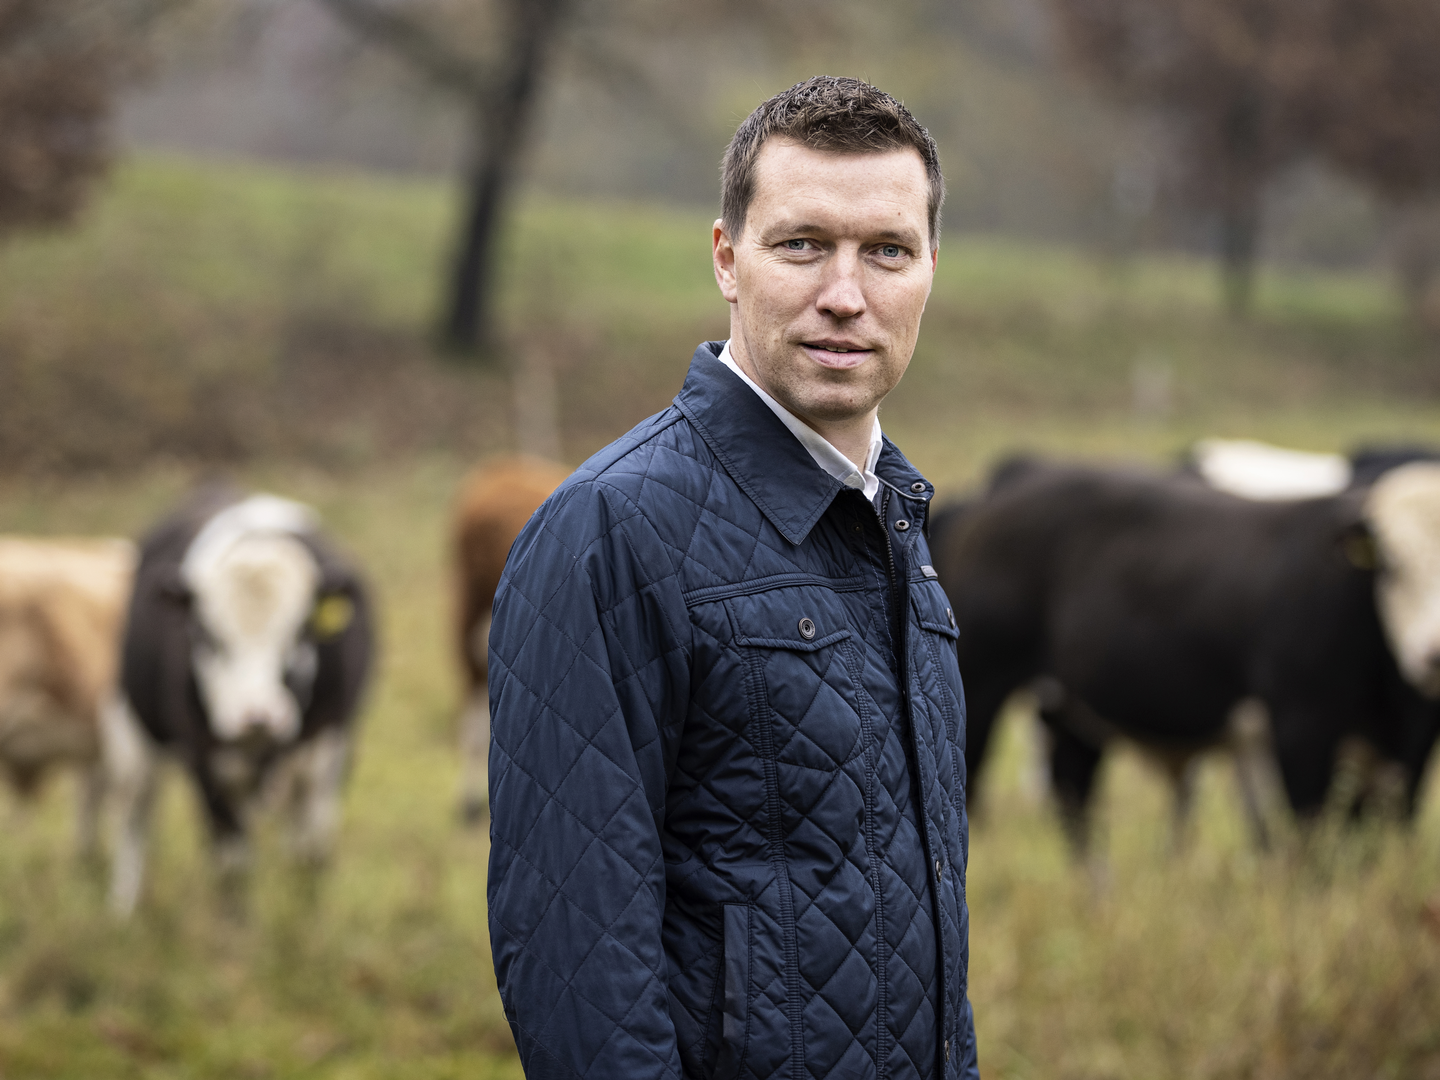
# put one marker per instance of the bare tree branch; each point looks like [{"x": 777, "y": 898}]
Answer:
[{"x": 422, "y": 47}]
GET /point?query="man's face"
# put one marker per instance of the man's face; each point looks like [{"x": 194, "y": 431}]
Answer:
[{"x": 829, "y": 277}]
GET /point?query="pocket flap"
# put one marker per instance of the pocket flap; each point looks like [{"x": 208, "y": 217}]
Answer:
[
  {"x": 801, "y": 619},
  {"x": 932, "y": 609}
]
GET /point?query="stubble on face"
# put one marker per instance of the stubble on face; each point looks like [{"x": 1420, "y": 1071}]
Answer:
[{"x": 828, "y": 280}]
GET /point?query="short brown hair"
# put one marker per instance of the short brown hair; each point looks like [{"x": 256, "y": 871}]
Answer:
[{"x": 826, "y": 112}]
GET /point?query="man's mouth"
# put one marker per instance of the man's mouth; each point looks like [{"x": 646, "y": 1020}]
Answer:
[{"x": 833, "y": 354}]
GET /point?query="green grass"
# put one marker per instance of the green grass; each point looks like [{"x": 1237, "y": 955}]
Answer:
[{"x": 289, "y": 312}]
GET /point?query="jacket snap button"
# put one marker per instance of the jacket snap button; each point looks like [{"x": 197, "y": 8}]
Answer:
[
  {"x": 917, "y": 487},
  {"x": 902, "y": 525},
  {"x": 937, "y": 870},
  {"x": 950, "y": 614},
  {"x": 807, "y": 629},
  {"x": 947, "y": 1050}
]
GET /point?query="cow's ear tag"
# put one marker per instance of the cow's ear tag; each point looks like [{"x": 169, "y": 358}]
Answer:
[
  {"x": 332, "y": 616},
  {"x": 1360, "y": 550}
]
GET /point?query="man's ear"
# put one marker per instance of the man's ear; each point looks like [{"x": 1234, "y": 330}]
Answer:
[{"x": 723, "y": 256}]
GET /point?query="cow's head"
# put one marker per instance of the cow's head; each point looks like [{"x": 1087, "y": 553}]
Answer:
[
  {"x": 252, "y": 585},
  {"x": 1403, "y": 514}
]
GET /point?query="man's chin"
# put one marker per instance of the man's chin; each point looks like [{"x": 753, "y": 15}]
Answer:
[{"x": 824, "y": 409}]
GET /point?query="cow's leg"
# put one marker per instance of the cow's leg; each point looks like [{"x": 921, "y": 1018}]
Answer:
[
  {"x": 475, "y": 733},
  {"x": 1305, "y": 746},
  {"x": 226, "y": 813},
  {"x": 230, "y": 852},
  {"x": 130, "y": 760},
  {"x": 87, "y": 814},
  {"x": 1074, "y": 762},
  {"x": 1249, "y": 738},
  {"x": 474, "y": 758},
  {"x": 1184, "y": 772},
  {"x": 984, "y": 699},
  {"x": 317, "y": 797}
]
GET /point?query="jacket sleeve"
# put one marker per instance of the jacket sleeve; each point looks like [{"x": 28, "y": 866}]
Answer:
[{"x": 588, "y": 687}]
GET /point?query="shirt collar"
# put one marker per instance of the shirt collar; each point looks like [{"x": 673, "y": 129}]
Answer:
[
  {"x": 821, "y": 449},
  {"x": 764, "y": 459}
]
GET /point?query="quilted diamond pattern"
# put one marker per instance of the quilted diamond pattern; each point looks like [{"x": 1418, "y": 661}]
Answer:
[{"x": 727, "y": 778}]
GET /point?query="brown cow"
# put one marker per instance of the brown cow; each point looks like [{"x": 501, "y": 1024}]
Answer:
[
  {"x": 495, "y": 502},
  {"x": 62, "y": 603}
]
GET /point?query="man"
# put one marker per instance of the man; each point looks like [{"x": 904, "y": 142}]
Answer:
[{"x": 727, "y": 771}]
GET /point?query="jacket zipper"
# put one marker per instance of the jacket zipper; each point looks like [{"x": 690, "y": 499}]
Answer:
[{"x": 903, "y": 661}]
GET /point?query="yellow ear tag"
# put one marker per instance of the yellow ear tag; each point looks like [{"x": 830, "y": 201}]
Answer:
[
  {"x": 1360, "y": 551},
  {"x": 332, "y": 616}
]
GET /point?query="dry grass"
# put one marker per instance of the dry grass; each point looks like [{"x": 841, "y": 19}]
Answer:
[
  {"x": 1213, "y": 963},
  {"x": 1315, "y": 961}
]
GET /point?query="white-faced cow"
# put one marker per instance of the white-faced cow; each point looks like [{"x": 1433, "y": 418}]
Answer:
[
  {"x": 62, "y": 603},
  {"x": 246, "y": 649},
  {"x": 1158, "y": 605},
  {"x": 494, "y": 504}
]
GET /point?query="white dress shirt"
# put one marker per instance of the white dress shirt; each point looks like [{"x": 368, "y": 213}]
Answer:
[{"x": 826, "y": 456}]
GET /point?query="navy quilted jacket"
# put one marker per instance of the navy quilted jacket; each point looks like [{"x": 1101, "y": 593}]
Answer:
[{"x": 727, "y": 774}]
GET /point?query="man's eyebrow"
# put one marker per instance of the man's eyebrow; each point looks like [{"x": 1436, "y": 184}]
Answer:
[{"x": 900, "y": 236}]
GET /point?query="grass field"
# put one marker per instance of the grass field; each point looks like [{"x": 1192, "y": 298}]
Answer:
[{"x": 1214, "y": 962}]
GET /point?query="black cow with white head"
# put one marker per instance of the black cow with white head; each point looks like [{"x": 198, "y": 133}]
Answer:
[
  {"x": 1155, "y": 607},
  {"x": 247, "y": 646}
]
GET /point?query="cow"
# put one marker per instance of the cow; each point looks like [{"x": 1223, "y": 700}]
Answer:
[
  {"x": 1257, "y": 470},
  {"x": 494, "y": 503},
  {"x": 62, "y": 602},
  {"x": 1155, "y": 607},
  {"x": 246, "y": 648},
  {"x": 1370, "y": 461}
]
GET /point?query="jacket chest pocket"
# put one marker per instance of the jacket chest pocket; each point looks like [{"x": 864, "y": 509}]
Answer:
[{"x": 802, "y": 674}]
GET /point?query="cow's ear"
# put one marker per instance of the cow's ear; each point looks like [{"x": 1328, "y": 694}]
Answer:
[
  {"x": 1358, "y": 545},
  {"x": 175, "y": 590}
]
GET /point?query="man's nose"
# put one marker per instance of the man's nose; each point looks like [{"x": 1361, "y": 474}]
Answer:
[{"x": 841, "y": 293}]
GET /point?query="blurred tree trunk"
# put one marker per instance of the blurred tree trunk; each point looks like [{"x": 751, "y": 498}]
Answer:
[
  {"x": 1241, "y": 182},
  {"x": 1374, "y": 96},
  {"x": 1416, "y": 253},
  {"x": 1239, "y": 240},
  {"x": 501, "y": 121},
  {"x": 1219, "y": 71},
  {"x": 499, "y": 88}
]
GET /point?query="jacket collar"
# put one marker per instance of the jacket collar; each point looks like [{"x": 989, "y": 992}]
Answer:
[{"x": 767, "y": 462}]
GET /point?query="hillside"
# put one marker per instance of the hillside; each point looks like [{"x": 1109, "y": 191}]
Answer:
[{"x": 216, "y": 313}]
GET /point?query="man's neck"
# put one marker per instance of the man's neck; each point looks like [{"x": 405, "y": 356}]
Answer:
[{"x": 851, "y": 436}]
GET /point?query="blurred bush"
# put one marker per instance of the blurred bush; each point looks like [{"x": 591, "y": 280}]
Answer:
[{"x": 62, "y": 63}]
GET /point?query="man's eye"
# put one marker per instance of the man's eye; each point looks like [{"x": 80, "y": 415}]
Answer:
[
  {"x": 891, "y": 251},
  {"x": 795, "y": 245}
]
